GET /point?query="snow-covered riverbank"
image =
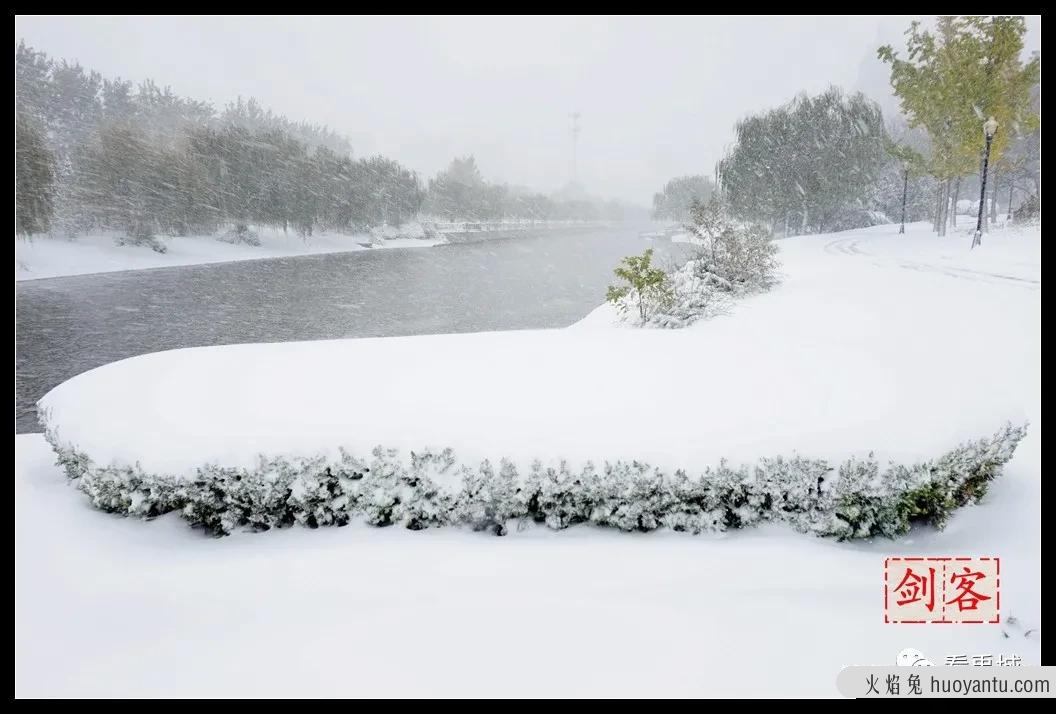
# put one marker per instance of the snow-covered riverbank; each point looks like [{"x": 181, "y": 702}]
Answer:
[
  {"x": 50, "y": 257},
  {"x": 44, "y": 257}
]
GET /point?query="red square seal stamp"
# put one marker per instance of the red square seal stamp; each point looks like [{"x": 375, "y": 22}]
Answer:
[{"x": 942, "y": 590}]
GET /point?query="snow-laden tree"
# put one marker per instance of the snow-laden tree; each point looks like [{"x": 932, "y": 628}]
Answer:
[
  {"x": 732, "y": 256},
  {"x": 807, "y": 166},
  {"x": 34, "y": 178},
  {"x": 194, "y": 170},
  {"x": 249, "y": 114},
  {"x": 143, "y": 161},
  {"x": 457, "y": 191},
  {"x": 1019, "y": 168}
]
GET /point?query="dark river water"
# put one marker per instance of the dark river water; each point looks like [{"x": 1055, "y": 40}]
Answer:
[{"x": 65, "y": 326}]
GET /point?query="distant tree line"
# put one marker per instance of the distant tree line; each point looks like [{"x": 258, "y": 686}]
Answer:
[
  {"x": 105, "y": 154},
  {"x": 460, "y": 192},
  {"x": 676, "y": 200}
]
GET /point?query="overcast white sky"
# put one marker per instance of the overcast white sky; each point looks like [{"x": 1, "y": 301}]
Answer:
[{"x": 658, "y": 96}]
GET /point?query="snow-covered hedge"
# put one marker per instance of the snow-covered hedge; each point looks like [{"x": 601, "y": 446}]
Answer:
[{"x": 854, "y": 499}]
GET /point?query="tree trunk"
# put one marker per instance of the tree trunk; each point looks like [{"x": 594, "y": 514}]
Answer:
[
  {"x": 944, "y": 207},
  {"x": 1011, "y": 187},
  {"x": 905, "y": 189},
  {"x": 938, "y": 208},
  {"x": 943, "y": 222},
  {"x": 985, "y": 208},
  {"x": 993, "y": 201},
  {"x": 956, "y": 195}
]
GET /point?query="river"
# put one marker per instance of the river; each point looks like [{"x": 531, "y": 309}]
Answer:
[{"x": 65, "y": 326}]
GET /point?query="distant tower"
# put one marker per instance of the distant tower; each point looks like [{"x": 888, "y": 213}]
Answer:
[{"x": 575, "y": 142}]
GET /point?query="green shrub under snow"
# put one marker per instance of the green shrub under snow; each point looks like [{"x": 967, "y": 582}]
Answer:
[
  {"x": 854, "y": 499},
  {"x": 644, "y": 289},
  {"x": 731, "y": 260}
]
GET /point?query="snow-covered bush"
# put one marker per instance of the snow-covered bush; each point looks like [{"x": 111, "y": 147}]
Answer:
[
  {"x": 379, "y": 490},
  {"x": 695, "y": 505},
  {"x": 852, "y": 218},
  {"x": 693, "y": 295},
  {"x": 854, "y": 499},
  {"x": 559, "y": 496},
  {"x": 734, "y": 257},
  {"x": 142, "y": 235},
  {"x": 489, "y": 498},
  {"x": 732, "y": 260},
  {"x": 320, "y": 498},
  {"x": 631, "y": 497},
  {"x": 240, "y": 235},
  {"x": 689, "y": 294},
  {"x": 1029, "y": 210},
  {"x": 428, "y": 490},
  {"x": 222, "y": 499}
]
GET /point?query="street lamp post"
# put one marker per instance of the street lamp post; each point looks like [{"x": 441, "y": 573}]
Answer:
[
  {"x": 989, "y": 129},
  {"x": 905, "y": 186}
]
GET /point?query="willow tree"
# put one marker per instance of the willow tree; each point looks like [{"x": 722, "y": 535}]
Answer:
[{"x": 810, "y": 165}]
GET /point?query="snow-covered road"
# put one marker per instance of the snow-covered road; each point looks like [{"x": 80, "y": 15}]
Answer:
[{"x": 952, "y": 261}]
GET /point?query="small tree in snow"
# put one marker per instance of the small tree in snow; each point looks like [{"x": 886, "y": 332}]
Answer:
[
  {"x": 733, "y": 256},
  {"x": 646, "y": 287}
]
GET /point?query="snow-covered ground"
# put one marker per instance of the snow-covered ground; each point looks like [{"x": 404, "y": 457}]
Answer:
[
  {"x": 901, "y": 344},
  {"x": 48, "y": 257}
]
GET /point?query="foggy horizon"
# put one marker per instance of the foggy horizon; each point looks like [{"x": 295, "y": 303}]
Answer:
[{"x": 425, "y": 90}]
